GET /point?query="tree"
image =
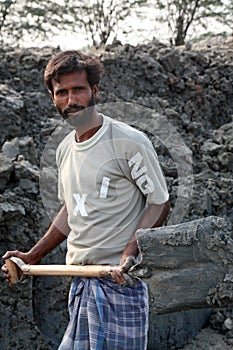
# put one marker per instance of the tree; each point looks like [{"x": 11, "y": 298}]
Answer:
[
  {"x": 100, "y": 19},
  {"x": 4, "y": 12},
  {"x": 23, "y": 20},
  {"x": 181, "y": 14},
  {"x": 227, "y": 17},
  {"x": 97, "y": 19}
]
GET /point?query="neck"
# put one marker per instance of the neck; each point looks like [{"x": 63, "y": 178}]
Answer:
[{"x": 85, "y": 131}]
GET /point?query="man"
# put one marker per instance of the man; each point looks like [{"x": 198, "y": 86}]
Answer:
[{"x": 110, "y": 184}]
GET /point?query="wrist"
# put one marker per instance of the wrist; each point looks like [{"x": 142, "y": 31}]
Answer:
[{"x": 33, "y": 258}]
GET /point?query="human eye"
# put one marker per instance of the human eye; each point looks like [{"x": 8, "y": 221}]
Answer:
[
  {"x": 60, "y": 92},
  {"x": 79, "y": 88}
]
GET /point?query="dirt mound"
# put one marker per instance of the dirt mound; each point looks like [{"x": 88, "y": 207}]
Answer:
[{"x": 190, "y": 86}]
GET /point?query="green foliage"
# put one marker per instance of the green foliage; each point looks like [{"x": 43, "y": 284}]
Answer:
[
  {"x": 22, "y": 20},
  {"x": 181, "y": 14}
]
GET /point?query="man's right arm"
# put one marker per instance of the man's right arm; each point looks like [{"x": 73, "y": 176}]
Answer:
[{"x": 56, "y": 234}]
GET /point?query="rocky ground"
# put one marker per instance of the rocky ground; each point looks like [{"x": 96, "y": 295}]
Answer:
[
  {"x": 217, "y": 335},
  {"x": 192, "y": 88}
]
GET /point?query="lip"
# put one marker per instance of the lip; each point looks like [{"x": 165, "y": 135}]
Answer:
[
  {"x": 73, "y": 113},
  {"x": 75, "y": 110}
]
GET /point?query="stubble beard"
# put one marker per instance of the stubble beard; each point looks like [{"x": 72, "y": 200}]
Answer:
[{"x": 82, "y": 117}]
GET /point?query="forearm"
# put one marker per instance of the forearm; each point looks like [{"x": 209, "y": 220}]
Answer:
[
  {"x": 55, "y": 235},
  {"x": 46, "y": 244},
  {"x": 153, "y": 216}
]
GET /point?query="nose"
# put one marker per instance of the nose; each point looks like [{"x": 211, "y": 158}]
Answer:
[{"x": 72, "y": 99}]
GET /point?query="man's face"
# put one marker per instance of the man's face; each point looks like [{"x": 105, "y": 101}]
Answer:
[{"x": 73, "y": 93}]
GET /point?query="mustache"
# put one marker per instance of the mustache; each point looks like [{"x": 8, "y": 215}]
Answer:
[{"x": 75, "y": 108}]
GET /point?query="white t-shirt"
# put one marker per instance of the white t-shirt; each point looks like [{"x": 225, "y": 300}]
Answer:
[{"x": 106, "y": 182}]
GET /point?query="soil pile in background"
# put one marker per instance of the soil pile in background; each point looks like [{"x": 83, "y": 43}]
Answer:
[{"x": 191, "y": 87}]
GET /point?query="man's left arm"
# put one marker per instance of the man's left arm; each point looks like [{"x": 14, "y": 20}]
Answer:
[{"x": 153, "y": 216}]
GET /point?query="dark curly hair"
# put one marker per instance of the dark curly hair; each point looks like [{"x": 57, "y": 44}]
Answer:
[{"x": 72, "y": 61}]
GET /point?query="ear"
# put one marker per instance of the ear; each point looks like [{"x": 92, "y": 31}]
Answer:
[{"x": 95, "y": 90}]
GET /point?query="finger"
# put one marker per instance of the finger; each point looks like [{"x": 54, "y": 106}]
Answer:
[
  {"x": 6, "y": 274},
  {"x": 13, "y": 276},
  {"x": 118, "y": 277},
  {"x": 8, "y": 254},
  {"x": 4, "y": 269}
]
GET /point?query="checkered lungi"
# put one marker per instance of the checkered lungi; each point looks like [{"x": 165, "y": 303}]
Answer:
[{"x": 105, "y": 316}]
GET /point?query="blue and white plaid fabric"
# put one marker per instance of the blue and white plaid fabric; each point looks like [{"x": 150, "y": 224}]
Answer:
[{"x": 105, "y": 316}]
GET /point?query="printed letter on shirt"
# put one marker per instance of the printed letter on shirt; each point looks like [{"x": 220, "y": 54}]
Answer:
[
  {"x": 143, "y": 180},
  {"x": 136, "y": 161},
  {"x": 104, "y": 187},
  {"x": 80, "y": 207}
]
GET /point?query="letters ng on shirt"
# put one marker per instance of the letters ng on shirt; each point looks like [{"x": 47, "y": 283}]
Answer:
[{"x": 138, "y": 173}]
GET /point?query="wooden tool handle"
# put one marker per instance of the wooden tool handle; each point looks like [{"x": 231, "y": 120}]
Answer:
[
  {"x": 17, "y": 268},
  {"x": 13, "y": 271},
  {"x": 68, "y": 270}
]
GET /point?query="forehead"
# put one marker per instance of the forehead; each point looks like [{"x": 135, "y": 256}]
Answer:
[{"x": 67, "y": 80}]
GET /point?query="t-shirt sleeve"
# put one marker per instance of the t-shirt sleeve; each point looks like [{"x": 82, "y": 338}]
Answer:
[
  {"x": 146, "y": 172},
  {"x": 60, "y": 190}
]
